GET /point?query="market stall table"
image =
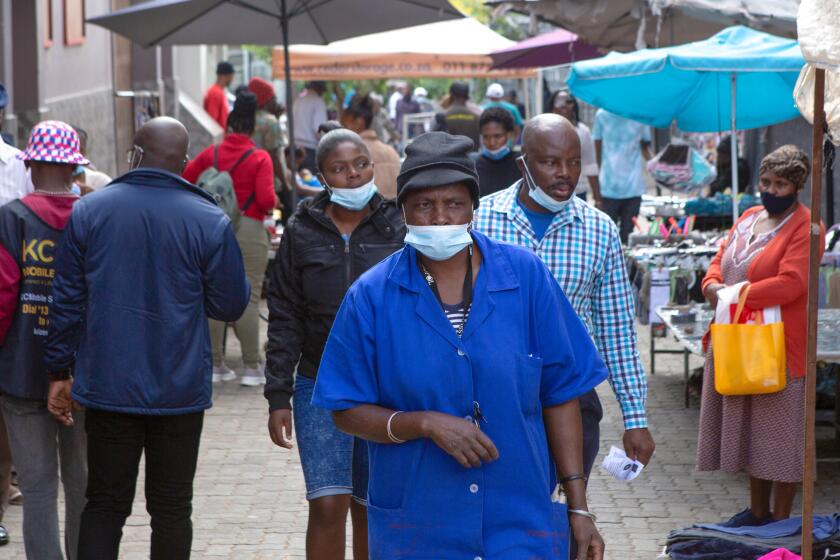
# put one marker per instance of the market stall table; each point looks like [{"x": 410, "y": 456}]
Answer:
[{"x": 690, "y": 335}]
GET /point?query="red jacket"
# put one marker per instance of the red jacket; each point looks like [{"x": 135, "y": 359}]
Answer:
[
  {"x": 255, "y": 175},
  {"x": 216, "y": 105},
  {"x": 779, "y": 276}
]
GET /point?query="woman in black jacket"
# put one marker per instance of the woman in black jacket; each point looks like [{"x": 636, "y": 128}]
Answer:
[{"x": 330, "y": 241}]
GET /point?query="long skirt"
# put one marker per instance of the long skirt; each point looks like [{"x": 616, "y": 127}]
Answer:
[{"x": 761, "y": 435}]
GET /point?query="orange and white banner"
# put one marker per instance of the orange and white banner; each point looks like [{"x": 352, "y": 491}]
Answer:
[{"x": 315, "y": 63}]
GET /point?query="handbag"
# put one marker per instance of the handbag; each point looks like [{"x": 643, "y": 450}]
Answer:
[
  {"x": 681, "y": 168},
  {"x": 749, "y": 358}
]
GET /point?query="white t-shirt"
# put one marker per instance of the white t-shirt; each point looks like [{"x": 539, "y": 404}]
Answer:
[
  {"x": 14, "y": 178},
  {"x": 310, "y": 112},
  {"x": 588, "y": 163},
  {"x": 392, "y": 104}
]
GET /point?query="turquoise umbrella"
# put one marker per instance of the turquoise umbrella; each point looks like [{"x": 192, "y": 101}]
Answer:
[{"x": 737, "y": 79}]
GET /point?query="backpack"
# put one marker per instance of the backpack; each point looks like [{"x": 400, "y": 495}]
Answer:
[{"x": 220, "y": 186}]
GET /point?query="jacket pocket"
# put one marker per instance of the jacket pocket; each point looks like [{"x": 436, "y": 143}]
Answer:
[
  {"x": 528, "y": 378},
  {"x": 393, "y": 534},
  {"x": 374, "y": 253},
  {"x": 393, "y": 468}
]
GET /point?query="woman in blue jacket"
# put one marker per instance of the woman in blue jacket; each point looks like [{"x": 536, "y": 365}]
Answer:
[{"x": 460, "y": 360}]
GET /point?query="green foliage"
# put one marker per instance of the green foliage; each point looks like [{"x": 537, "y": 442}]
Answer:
[
  {"x": 473, "y": 8},
  {"x": 505, "y": 25},
  {"x": 262, "y": 52}
]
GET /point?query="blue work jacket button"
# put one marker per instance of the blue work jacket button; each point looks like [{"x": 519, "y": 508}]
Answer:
[
  {"x": 473, "y": 488},
  {"x": 460, "y": 352}
]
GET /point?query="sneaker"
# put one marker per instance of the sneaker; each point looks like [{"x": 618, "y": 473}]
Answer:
[
  {"x": 747, "y": 519},
  {"x": 252, "y": 377},
  {"x": 4, "y": 536},
  {"x": 223, "y": 373}
]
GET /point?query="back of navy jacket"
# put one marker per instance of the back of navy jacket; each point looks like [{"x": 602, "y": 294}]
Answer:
[{"x": 142, "y": 265}]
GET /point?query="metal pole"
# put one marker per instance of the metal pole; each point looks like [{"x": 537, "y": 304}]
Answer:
[
  {"x": 813, "y": 291},
  {"x": 734, "y": 152},
  {"x": 290, "y": 117},
  {"x": 829, "y": 195}
]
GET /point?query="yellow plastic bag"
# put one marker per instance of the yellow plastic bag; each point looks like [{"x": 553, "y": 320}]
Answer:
[{"x": 749, "y": 359}]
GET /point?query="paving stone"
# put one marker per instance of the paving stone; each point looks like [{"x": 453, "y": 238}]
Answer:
[{"x": 249, "y": 494}]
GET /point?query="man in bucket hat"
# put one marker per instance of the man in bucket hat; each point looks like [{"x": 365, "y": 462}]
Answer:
[{"x": 30, "y": 230}]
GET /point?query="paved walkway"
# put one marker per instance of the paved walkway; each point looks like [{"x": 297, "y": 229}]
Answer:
[{"x": 249, "y": 494}]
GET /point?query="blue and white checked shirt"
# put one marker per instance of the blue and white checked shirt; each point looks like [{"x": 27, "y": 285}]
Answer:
[{"x": 582, "y": 250}]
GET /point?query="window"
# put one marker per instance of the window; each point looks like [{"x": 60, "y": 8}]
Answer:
[
  {"x": 46, "y": 16},
  {"x": 74, "y": 22}
]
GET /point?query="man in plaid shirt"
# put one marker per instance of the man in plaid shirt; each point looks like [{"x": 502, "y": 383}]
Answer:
[{"x": 581, "y": 247}]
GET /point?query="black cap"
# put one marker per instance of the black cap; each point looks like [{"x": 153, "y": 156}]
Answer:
[
  {"x": 459, "y": 89},
  {"x": 4, "y": 97},
  {"x": 435, "y": 159},
  {"x": 224, "y": 68}
]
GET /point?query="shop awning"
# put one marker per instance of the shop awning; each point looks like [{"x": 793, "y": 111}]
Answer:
[{"x": 450, "y": 49}]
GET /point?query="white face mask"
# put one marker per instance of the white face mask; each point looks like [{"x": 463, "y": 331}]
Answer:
[
  {"x": 439, "y": 243},
  {"x": 353, "y": 199},
  {"x": 540, "y": 196}
]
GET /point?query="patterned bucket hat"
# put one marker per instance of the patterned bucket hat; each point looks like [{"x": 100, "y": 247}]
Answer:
[{"x": 53, "y": 142}]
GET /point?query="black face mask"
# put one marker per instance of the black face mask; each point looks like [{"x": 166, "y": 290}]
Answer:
[{"x": 777, "y": 204}]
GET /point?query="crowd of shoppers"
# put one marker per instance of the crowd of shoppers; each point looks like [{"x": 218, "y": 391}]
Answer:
[{"x": 480, "y": 249}]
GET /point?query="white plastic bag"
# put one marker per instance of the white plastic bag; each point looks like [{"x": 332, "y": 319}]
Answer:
[
  {"x": 818, "y": 33},
  {"x": 803, "y": 94},
  {"x": 728, "y": 305}
]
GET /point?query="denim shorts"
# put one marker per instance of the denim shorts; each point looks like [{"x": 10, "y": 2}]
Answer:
[{"x": 333, "y": 462}]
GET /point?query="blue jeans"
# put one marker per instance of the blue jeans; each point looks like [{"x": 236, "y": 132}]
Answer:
[
  {"x": 333, "y": 462},
  {"x": 41, "y": 446}
]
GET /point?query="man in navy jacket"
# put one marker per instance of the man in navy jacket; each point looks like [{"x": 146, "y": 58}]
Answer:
[{"x": 142, "y": 265}]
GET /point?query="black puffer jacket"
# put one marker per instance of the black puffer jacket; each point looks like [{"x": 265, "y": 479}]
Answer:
[{"x": 313, "y": 270}]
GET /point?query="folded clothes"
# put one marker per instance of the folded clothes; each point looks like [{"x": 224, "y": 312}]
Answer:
[
  {"x": 715, "y": 542},
  {"x": 714, "y": 549},
  {"x": 719, "y": 205},
  {"x": 824, "y": 527},
  {"x": 766, "y": 544}
]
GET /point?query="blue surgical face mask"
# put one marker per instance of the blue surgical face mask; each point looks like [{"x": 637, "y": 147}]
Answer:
[
  {"x": 540, "y": 196},
  {"x": 353, "y": 199},
  {"x": 496, "y": 154},
  {"x": 439, "y": 243}
]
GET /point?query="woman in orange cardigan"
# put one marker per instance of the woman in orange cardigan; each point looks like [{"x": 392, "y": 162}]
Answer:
[{"x": 764, "y": 435}]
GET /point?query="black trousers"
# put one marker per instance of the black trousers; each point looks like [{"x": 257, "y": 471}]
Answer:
[
  {"x": 591, "y": 413},
  {"x": 114, "y": 444},
  {"x": 622, "y": 211}
]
